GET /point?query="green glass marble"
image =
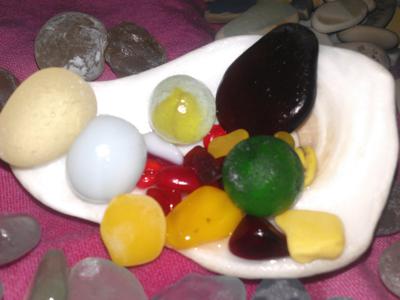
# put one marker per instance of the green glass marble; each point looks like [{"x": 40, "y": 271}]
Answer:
[{"x": 262, "y": 175}]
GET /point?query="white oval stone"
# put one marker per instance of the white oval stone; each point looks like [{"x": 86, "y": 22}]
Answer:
[
  {"x": 338, "y": 15},
  {"x": 381, "y": 37}
]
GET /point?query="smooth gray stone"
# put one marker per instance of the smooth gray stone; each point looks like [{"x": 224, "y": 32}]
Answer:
[
  {"x": 51, "y": 278},
  {"x": 201, "y": 287},
  {"x": 96, "y": 278},
  {"x": 338, "y": 15},
  {"x": 340, "y": 298},
  {"x": 389, "y": 268},
  {"x": 372, "y": 51},
  {"x": 1, "y": 290},
  {"x": 304, "y": 8},
  {"x": 389, "y": 222},
  {"x": 393, "y": 55},
  {"x": 260, "y": 19},
  {"x": 282, "y": 289},
  {"x": 381, "y": 37},
  {"x": 323, "y": 38},
  {"x": 19, "y": 234},
  {"x": 382, "y": 14}
]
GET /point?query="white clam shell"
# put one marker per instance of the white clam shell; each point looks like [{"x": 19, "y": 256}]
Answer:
[{"x": 353, "y": 129}]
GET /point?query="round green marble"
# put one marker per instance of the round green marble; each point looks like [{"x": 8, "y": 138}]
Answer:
[{"x": 263, "y": 175}]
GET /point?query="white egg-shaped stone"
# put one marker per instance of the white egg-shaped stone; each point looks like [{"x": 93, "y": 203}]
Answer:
[
  {"x": 107, "y": 159},
  {"x": 44, "y": 116}
]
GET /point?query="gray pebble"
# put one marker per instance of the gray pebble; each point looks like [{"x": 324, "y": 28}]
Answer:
[
  {"x": 1, "y": 290},
  {"x": 389, "y": 223},
  {"x": 72, "y": 40},
  {"x": 260, "y": 19},
  {"x": 389, "y": 268},
  {"x": 338, "y": 15},
  {"x": 372, "y": 51},
  {"x": 340, "y": 298},
  {"x": 381, "y": 37},
  {"x": 382, "y": 14},
  {"x": 19, "y": 235},
  {"x": 282, "y": 289}
]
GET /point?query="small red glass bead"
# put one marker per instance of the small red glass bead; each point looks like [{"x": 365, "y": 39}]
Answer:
[
  {"x": 216, "y": 131},
  {"x": 149, "y": 175},
  {"x": 167, "y": 199},
  {"x": 178, "y": 178}
]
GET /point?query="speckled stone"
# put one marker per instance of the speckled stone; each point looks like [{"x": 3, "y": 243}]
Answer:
[
  {"x": 8, "y": 84},
  {"x": 382, "y": 14},
  {"x": 389, "y": 268},
  {"x": 381, "y": 37},
  {"x": 389, "y": 222},
  {"x": 338, "y": 15},
  {"x": 260, "y": 19},
  {"x": 282, "y": 289},
  {"x": 19, "y": 235},
  {"x": 223, "y": 11},
  {"x": 50, "y": 282},
  {"x": 72, "y": 40},
  {"x": 203, "y": 287},
  {"x": 96, "y": 278},
  {"x": 370, "y": 50},
  {"x": 132, "y": 49}
]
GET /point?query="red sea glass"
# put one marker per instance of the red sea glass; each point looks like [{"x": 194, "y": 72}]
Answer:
[
  {"x": 179, "y": 178},
  {"x": 167, "y": 199},
  {"x": 256, "y": 238},
  {"x": 216, "y": 131},
  {"x": 272, "y": 86}
]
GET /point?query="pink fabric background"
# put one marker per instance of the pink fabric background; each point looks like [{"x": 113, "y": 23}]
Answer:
[{"x": 179, "y": 27}]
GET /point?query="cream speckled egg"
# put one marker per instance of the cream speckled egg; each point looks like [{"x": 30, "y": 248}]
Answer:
[{"x": 43, "y": 117}]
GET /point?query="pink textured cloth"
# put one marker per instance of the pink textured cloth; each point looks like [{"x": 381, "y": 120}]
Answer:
[{"x": 180, "y": 27}]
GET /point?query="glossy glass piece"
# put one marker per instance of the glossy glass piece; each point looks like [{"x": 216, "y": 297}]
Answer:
[
  {"x": 168, "y": 199},
  {"x": 215, "y": 131},
  {"x": 178, "y": 178},
  {"x": 272, "y": 86},
  {"x": 257, "y": 238}
]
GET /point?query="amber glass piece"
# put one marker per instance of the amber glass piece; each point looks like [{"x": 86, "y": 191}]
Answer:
[{"x": 272, "y": 86}]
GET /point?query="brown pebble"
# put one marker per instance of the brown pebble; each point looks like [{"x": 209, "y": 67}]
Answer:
[{"x": 132, "y": 49}]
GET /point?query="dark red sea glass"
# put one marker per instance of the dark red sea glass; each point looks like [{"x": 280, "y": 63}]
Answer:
[
  {"x": 272, "y": 86},
  {"x": 256, "y": 238},
  {"x": 207, "y": 168},
  {"x": 167, "y": 199}
]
